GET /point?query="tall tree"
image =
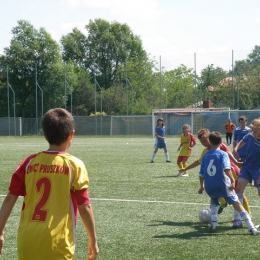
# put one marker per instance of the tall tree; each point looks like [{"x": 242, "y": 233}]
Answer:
[
  {"x": 106, "y": 47},
  {"x": 32, "y": 53},
  {"x": 180, "y": 87}
]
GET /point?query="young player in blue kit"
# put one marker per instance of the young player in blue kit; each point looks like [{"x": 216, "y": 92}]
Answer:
[
  {"x": 218, "y": 181},
  {"x": 239, "y": 133},
  {"x": 160, "y": 142},
  {"x": 250, "y": 168}
]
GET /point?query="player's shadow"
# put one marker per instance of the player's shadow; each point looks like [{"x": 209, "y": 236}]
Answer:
[{"x": 200, "y": 230}]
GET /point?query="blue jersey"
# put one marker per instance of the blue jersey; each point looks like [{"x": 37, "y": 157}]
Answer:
[
  {"x": 160, "y": 143},
  {"x": 238, "y": 136},
  {"x": 253, "y": 151},
  {"x": 216, "y": 182}
]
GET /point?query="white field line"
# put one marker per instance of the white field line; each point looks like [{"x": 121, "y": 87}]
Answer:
[{"x": 151, "y": 201}]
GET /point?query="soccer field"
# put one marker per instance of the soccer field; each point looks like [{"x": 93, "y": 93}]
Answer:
[{"x": 142, "y": 210}]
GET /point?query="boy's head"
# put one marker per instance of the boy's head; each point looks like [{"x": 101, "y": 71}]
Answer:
[
  {"x": 215, "y": 138},
  {"x": 255, "y": 127},
  {"x": 203, "y": 136},
  {"x": 160, "y": 121},
  {"x": 186, "y": 127},
  {"x": 57, "y": 125},
  {"x": 242, "y": 121}
]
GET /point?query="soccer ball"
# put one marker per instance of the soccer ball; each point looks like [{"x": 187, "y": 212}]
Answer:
[{"x": 205, "y": 216}]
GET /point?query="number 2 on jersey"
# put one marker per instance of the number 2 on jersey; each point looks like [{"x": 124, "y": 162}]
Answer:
[{"x": 43, "y": 186}]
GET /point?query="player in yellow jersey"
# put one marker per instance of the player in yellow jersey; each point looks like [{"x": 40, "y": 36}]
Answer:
[
  {"x": 54, "y": 185},
  {"x": 187, "y": 142}
]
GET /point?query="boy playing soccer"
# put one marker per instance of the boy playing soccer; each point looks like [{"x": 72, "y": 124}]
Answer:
[
  {"x": 203, "y": 136},
  {"x": 54, "y": 185},
  {"x": 160, "y": 142},
  {"x": 187, "y": 142},
  {"x": 218, "y": 181}
]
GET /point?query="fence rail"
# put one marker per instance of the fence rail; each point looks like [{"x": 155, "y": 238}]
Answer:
[{"x": 132, "y": 125}]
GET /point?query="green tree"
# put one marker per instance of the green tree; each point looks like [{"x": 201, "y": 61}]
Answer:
[
  {"x": 74, "y": 48},
  {"x": 210, "y": 78},
  {"x": 32, "y": 51},
  {"x": 180, "y": 87},
  {"x": 106, "y": 47}
]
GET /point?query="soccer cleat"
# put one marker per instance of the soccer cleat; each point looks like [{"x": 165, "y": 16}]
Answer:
[
  {"x": 254, "y": 231},
  {"x": 152, "y": 161},
  {"x": 221, "y": 207},
  {"x": 184, "y": 175},
  {"x": 237, "y": 223},
  {"x": 168, "y": 161},
  {"x": 179, "y": 174},
  {"x": 212, "y": 226}
]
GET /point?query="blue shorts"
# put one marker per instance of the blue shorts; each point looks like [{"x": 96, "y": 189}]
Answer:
[
  {"x": 230, "y": 200},
  {"x": 160, "y": 145},
  {"x": 250, "y": 173}
]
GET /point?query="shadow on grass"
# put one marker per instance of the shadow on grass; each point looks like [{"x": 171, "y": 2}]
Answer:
[
  {"x": 167, "y": 176},
  {"x": 200, "y": 230}
]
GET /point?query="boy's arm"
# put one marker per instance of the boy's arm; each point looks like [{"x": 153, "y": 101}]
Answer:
[
  {"x": 201, "y": 189},
  {"x": 232, "y": 158},
  {"x": 179, "y": 147},
  {"x": 5, "y": 212},
  {"x": 87, "y": 217},
  {"x": 238, "y": 146},
  {"x": 230, "y": 176}
]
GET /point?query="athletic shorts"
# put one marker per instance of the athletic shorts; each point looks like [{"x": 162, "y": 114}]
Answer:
[
  {"x": 249, "y": 173},
  {"x": 160, "y": 145},
  {"x": 230, "y": 200},
  {"x": 182, "y": 159}
]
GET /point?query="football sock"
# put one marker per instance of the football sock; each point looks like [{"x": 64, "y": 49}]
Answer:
[
  {"x": 214, "y": 213},
  {"x": 184, "y": 166},
  {"x": 167, "y": 156},
  {"x": 244, "y": 215},
  {"x": 222, "y": 201},
  {"x": 237, "y": 215},
  {"x": 180, "y": 165},
  {"x": 246, "y": 205},
  {"x": 154, "y": 154}
]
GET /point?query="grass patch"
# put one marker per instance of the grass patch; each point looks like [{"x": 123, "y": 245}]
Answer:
[{"x": 142, "y": 210}]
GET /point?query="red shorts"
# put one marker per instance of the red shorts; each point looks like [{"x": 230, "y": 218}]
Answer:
[{"x": 182, "y": 159}]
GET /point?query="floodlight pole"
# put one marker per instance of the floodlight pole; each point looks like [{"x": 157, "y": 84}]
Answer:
[
  {"x": 96, "y": 84},
  {"x": 14, "y": 108},
  {"x": 8, "y": 94},
  {"x": 65, "y": 87},
  {"x": 9, "y": 86},
  {"x": 160, "y": 84},
  {"x": 126, "y": 88},
  {"x": 132, "y": 95},
  {"x": 166, "y": 89},
  {"x": 233, "y": 90},
  {"x": 36, "y": 98},
  {"x": 42, "y": 95},
  {"x": 195, "y": 83}
]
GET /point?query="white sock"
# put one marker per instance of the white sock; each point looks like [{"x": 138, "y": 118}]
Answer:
[
  {"x": 214, "y": 214},
  {"x": 245, "y": 216},
  {"x": 237, "y": 215},
  {"x": 154, "y": 154},
  {"x": 167, "y": 156}
]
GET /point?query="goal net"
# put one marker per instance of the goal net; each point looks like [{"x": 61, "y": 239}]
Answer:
[{"x": 214, "y": 118}]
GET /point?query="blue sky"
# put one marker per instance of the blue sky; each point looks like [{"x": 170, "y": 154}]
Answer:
[{"x": 171, "y": 29}]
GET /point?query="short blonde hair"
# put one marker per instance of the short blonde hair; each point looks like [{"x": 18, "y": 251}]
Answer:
[
  {"x": 255, "y": 123},
  {"x": 204, "y": 132},
  {"x": 186, "y": 126}
]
